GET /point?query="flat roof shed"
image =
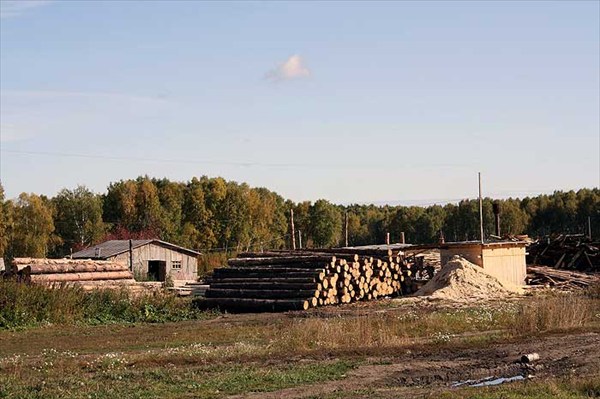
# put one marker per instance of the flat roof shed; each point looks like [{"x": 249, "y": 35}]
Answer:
[{"x": 504, "y": 260}]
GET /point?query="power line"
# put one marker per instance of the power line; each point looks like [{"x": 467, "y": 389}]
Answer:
[
  {"x": 258, "y": 244},
  {"x": 157, "y": 160},
  {"x": 310, "y": 165}
]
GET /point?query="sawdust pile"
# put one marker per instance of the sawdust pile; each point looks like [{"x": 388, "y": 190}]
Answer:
[{"x": 460, "y": 280}]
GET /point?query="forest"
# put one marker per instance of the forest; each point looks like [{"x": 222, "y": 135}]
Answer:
[{"x": 216, "y": 215}]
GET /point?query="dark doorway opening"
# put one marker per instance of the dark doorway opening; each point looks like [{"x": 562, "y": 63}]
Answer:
[{"x": 157, "y": 270}]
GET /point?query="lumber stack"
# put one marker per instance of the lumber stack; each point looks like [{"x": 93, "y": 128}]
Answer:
[
  {"x": 299, "y": 280},
  {"x": 566, "y": 251},
  {"x": 89, "y": 274},
  {"x": 561, "y": 279},
  {"x": 193, "y": 289}
]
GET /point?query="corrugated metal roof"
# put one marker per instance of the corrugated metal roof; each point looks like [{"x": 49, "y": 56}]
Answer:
[{"x": 111, "y": 248}]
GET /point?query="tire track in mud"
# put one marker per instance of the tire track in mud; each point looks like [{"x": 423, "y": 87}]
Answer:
[{"x": 433, "y": 370}]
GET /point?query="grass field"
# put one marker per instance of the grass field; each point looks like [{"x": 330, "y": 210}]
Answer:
[{"x": 387, "y": 349}]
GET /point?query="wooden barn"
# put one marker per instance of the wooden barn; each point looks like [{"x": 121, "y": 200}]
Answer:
[{"x": 150, "y": 260}]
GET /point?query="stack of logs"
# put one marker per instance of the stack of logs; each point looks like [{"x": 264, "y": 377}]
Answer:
[
  {"x": 574, "y": 252},
  {"x": 88, "y": 274},
  {"x": 281, "y": 281}
]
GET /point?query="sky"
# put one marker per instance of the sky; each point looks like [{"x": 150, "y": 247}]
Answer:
[{"x": 354, "y": 102}]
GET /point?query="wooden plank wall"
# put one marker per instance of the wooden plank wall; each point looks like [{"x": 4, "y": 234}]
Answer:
[
  {"x": 141, "y": 256},
  {"x": 472, "y": 254},
  {"x": 506, "y": 264}
]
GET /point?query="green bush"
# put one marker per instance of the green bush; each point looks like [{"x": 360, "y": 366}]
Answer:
[{"x": 23, "y": 305}]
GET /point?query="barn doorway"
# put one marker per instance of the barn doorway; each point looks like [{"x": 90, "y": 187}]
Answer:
[{"x": 157, "y": 270}]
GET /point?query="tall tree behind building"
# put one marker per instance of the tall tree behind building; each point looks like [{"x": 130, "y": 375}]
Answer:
[{"x": 78, "y": 219}]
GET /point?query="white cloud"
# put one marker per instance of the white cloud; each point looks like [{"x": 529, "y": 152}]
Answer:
[
  {"x": 292, "y": 68},
  {"x": 14, "y": 8}
]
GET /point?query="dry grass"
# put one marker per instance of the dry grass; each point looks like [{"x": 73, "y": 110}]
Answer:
[
  {"x": 254, "y": 351},
  {"x": 556, "y": 312},
  {"x": 594, "y": 291},
  {"x": 369, "y": 331}
]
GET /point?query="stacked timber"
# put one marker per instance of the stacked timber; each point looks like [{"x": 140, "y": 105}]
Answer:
[
  {"x": 566, "y": 251},
  {"x": 89, "y": 274},
  {"x": 560, "y": 279},
  {"x": 299, "y": 280},
  {"x": 188, "y": 288}
]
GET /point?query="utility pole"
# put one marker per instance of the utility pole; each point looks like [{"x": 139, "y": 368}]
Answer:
[
  {"x": 346, "y": 228},
  {"x": 480, "y": 209},
  {"x": 293, "y": 231}
]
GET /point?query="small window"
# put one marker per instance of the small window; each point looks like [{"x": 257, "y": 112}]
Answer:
[{"x": 176, "y": 264}]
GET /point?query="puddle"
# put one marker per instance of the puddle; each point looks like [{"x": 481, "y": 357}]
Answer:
[{"x": 488, "y": 381}]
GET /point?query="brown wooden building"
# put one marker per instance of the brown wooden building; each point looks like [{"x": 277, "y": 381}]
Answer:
[
  {"x": 152, "y": 260},
  {"x": 504, "y": 260}
]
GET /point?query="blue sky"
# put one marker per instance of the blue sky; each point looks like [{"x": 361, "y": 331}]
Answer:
[{"x": 352, "y": 102}]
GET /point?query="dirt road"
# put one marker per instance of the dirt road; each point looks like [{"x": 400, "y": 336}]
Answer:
[{"x": 421, "y": 374}]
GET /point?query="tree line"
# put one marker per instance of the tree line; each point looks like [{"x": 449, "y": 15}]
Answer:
[{"x": 212, "y": 214}]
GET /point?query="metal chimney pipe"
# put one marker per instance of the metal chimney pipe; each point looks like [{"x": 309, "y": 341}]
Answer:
[{"x": 496, "y": 209}]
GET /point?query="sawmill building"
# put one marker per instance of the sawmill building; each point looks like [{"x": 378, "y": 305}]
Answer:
[{"x": 150, "y": 260}]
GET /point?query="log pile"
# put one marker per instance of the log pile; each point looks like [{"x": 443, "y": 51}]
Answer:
[
  {"x": 561, "y": 279},
  {"x": 88, "y": 274},
  {"x": 570, "y": 252},
  {"x": 299, "y": 280}
]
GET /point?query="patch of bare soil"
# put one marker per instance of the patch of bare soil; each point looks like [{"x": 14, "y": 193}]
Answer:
[{"x": 418, "y": 374}]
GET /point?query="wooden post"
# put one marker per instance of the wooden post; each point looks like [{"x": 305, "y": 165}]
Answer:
[
  {"x": 130, "y": 255},
  {"x": 402, "y": 239},
  {"x": 292, "y": 227},
  {"x": 346, "y": 228},
  {"x": 387, "y": 238}
]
